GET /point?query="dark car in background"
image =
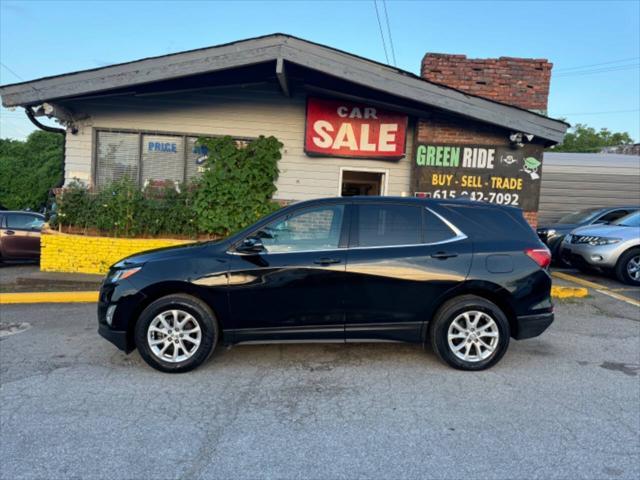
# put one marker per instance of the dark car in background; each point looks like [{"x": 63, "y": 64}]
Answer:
[
  {"x": 552, "y": 234},
  {"x": 460, "y": 276},
  {"x": 20, "y": 235}
]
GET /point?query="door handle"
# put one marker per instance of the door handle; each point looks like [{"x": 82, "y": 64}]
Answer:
[
  {"x": 10, "y": 232},
  {"x": 326, "y": 261},
  {"x": 443, "y": 255}
]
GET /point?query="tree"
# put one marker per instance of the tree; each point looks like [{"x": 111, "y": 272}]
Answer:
[
  {"x": 585, "y": 139},
  {"x": 30, "y": 169}
]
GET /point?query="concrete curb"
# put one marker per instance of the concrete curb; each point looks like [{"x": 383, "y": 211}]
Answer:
[{"x": 48, "y": 297}]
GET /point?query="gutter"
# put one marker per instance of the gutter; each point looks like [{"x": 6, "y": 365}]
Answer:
[{"x": 31, "y": 116}]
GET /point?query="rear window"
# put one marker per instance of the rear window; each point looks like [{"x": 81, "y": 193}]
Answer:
[
  {"x": 490, "y": 222},
  {"x": 388, "y": 225},
  {"x": 435, "y": 230}
]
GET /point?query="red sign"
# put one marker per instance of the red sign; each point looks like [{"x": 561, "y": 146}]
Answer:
[{"x": 337, "y": 128}]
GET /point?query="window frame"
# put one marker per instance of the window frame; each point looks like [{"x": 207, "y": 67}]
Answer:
[{"x": 141, "y": 133}]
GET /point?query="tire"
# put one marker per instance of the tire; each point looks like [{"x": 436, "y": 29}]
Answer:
[
  {"x": 172, "y": 352},
  {"x": 482, "y": 316},
  {"x": 625, "y": 267}
]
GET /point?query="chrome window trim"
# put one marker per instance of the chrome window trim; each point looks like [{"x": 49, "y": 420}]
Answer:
[{"x": 459, "y": 235}]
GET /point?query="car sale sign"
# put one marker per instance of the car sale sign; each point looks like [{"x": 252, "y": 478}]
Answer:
[{"x": 337, "y": 128}]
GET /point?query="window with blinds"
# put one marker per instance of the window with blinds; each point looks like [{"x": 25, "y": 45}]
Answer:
[
  {"x": 148, "y": 158},
  {"x": 117, "y": 157},
  {"x": 162, "y": 159}
]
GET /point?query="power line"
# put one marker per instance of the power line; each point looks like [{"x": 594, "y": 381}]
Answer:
[
  {"x": 384, "y": 44},
  {"x": 597, "y": 64},
  {"x": 12, "y": 72},
  {"x": 635, "y": 66},
  {"x": 599, "y": 113},
  {"x": 393, "y": 50}
]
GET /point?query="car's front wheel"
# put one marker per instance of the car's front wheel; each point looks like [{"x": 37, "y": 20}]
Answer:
[
  {"x": 628, "y": 267},
  {"x": 176, "y": 333},
  {"x": 469, "y": 333}
]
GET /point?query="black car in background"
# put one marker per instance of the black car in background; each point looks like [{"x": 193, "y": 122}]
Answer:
[
  {"x": 460, "y": 276},
  {"x": 552, "y": 234}
]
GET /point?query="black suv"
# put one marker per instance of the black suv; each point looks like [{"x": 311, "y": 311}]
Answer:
[{"x": 460, "y": 276}]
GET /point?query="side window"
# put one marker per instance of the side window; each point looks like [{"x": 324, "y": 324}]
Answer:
[
  {"x": 24, "y": 222},
  {"x": 388, "y": 225},
  {"x": 311, "y": 229},
  {"x": 612, "y": 216},
  {"x": 435, "y": 230}
]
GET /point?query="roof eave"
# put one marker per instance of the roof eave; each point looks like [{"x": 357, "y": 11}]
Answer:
[{"x": 321, "y": 58}]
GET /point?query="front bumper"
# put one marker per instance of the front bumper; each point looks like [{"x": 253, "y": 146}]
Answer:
[
  {"x": 604, "y": 256},
  {"x": 118, "y": 337},
  {"x": 529, "y": 326}
]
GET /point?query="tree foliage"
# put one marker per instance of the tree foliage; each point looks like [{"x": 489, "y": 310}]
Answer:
[
  {"x": 585, "y": 139},
  {"x": 30, "y": 169}
]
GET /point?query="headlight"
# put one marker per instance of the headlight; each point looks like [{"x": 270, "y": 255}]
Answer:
[
  {"x": 125, "y": 273},
  {"x": 551, "y": 232},
  {"x": 597, "y": 241}
]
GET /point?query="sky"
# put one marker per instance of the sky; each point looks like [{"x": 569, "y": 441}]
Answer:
[{"x": 594, "y": 46}]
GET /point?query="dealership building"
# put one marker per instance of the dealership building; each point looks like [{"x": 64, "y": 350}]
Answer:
[{"x": 349, "y": 125}]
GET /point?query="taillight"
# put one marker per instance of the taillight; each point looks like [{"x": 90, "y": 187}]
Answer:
[{"x": 542, "y": 256}]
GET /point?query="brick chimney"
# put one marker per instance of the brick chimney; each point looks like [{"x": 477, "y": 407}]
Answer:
[{"x": 522, "y": 82}]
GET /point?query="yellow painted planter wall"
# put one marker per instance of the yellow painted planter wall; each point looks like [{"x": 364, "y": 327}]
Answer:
[{"x": 60, "y": 252}]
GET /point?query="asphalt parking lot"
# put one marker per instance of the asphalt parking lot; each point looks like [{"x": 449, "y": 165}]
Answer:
[{"x": 564, "y": 405}]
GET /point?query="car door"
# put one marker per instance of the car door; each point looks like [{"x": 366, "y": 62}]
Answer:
[
  {"x": 401, "y": 259},
  {"x": 294, "y": 288},
  {"x": 21, "y": 235}
]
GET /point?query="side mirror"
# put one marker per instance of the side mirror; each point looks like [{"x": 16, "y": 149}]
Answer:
[{"x": 251, "y": 245}]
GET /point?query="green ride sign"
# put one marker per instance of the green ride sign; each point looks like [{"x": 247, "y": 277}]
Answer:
[{"x": 496, "y": 174}]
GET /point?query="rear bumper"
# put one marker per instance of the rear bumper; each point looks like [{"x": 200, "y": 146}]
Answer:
[{"x": 529, "y": 326}]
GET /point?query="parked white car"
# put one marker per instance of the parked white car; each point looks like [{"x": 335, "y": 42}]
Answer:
[{"x": 613, "y": 247}]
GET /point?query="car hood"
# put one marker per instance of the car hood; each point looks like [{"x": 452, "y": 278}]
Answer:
[
  {"x": 613, "y": 231},
  {"x": 161, "y": 254}
]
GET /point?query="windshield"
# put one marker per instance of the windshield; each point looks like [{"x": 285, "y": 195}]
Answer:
[
  {"x": 580, "y": 216},
  {"x": 631, "y": 220}
]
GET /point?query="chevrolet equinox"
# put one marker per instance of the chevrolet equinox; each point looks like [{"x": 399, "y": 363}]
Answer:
[{"x": 460, "y": 276}]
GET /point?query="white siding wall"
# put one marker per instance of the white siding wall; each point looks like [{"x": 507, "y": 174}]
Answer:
[{"x": 247, "y": 112}]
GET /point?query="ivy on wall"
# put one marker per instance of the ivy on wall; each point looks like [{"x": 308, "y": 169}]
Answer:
[{"x": 237, "y": 185}]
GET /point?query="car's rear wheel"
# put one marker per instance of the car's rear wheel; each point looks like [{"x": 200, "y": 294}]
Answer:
[
  {"x": 176, "y": 333},
  {"x": 469, "y": 333},
  {"x": 628, "y": 267}
]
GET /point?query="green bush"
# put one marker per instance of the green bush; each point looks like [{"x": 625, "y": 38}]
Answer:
[
  {"x": 235, "y": 189},
  {"x": 237, "y": 185}
]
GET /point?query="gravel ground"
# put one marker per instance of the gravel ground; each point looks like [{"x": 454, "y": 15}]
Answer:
[{"x": 564, "y": 405}]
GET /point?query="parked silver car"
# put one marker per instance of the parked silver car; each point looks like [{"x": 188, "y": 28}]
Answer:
[{"x": 612, "y": 247}]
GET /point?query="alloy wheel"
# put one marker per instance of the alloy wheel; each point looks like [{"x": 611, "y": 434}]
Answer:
[
  {"x": 473, "y": 336},
  {"x": 174, "y": 336},
  {"x": 633, "y": 268}
]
